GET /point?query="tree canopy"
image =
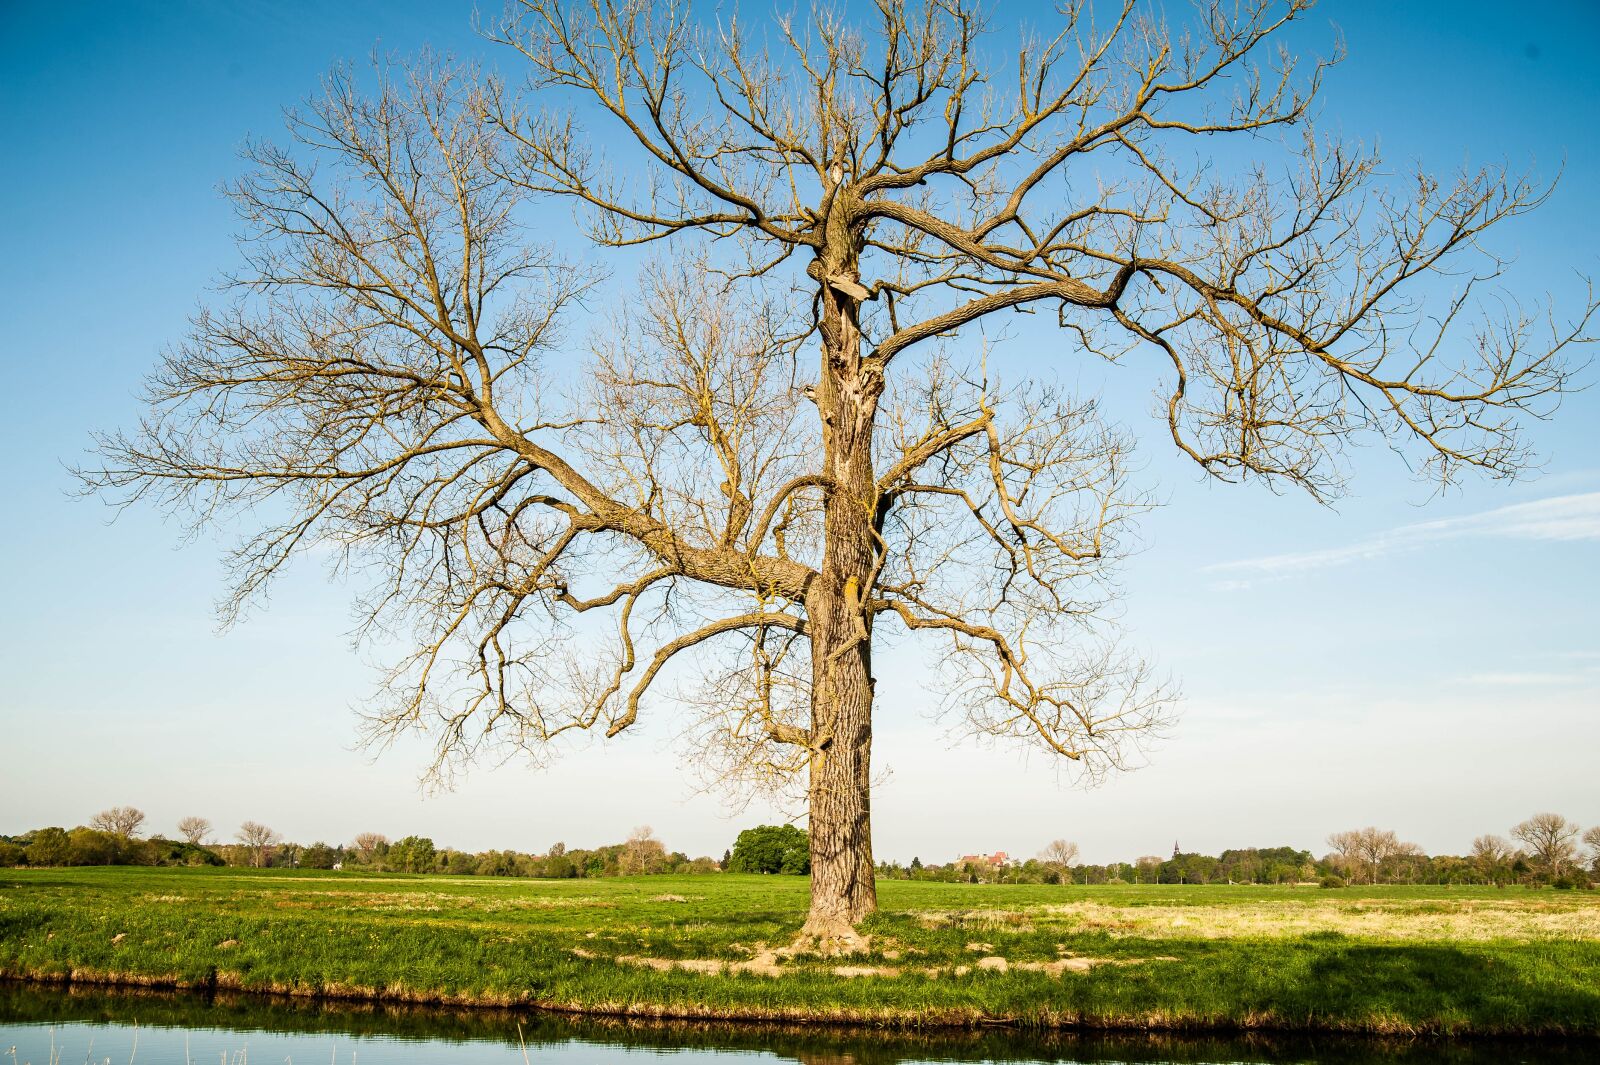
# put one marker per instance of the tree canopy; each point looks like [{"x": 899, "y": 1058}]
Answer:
[
  {"x": 793, "y": 437},
  {"x": 771, "y": 849}
]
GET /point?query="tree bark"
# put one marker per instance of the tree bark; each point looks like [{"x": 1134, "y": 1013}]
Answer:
[{"x": 842, "y": 888}]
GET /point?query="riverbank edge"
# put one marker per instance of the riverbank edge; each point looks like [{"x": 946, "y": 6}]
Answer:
[{"x": 942, "y": 1018}]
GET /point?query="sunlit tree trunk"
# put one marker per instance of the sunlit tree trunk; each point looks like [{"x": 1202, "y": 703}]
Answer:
[{"x": 842, "y": 889}]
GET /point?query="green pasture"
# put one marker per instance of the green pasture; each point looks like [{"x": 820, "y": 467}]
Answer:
[{"x": 1387, "y": 959}]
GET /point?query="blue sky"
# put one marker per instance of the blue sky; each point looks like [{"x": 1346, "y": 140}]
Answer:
[{"x": 1426, "y": 664}]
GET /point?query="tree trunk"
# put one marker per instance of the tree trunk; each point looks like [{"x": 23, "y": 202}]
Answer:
[{"x": 842, "y": 888}]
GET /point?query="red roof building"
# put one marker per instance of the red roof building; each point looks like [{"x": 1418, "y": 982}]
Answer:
[{"x": 993, "y": 861}]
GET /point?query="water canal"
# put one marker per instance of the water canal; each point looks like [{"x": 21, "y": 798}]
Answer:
[{"x": 55, "y": 1026}]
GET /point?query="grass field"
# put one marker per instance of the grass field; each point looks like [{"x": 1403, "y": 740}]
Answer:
[{"x": 1392, "y": 960}]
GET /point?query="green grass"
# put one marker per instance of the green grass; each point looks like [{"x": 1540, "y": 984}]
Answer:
[{"x": 1391, "y": 960}]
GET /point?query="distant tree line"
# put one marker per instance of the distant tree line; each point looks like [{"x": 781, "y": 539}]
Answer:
[
  {"x": 111, "y": 838},
  {"x": 1548, "y": 849},
  {"x": 1553, "y": 851},
  {"x": 1250, "y": 865},
  {"x": 86, "y": 845}
]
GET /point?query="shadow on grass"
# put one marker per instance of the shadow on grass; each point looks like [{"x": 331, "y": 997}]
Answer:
[
  {"x": 13, "y": 883},
  {"x": 1547, "y": 987}
]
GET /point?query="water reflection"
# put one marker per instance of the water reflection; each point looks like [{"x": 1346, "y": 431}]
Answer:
[{"x": 58, "y": 1025}]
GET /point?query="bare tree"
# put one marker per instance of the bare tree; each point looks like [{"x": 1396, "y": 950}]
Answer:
[
  {"x": 367, "y": 844},
  {"x": 778, "y": 446},
  {"x": 194, "y": 829},
  {"x": 1591, "y": 840},
  {"x": 1376, "y": 846},
  {"x": 1491, "y": 853},
  {"x": 122, "y": 821},
  {"x": 1346, "y": 847},
  {"x": 1061, "y": 852},
  {"x": 1550, "y": 839},
  {"x": 643, "y": 853},
  {"x": 1367, "y": 850},
  {"x": 259, "y": 840}
]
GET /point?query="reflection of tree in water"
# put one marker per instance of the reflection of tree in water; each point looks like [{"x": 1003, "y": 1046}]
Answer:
[{"x": 803, "y": 1044}]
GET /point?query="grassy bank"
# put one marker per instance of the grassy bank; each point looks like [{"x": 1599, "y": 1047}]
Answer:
[{"x": 1392, "y": 960}]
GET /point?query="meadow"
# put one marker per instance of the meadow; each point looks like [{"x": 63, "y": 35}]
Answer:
[{"x": 1391, "y": 960}]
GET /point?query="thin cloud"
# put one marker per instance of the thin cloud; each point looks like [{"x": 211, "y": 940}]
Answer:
[{"x": 1567, "y": 518}]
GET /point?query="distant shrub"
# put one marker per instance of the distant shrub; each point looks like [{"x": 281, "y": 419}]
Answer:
[
  {"x": 161, "y": 851},
  {"x": 11, "y": 854},
  {"x": 94, "y": 846},
  {"x": 47, "y": 846},
  {"x": 1333, "y": 882}
]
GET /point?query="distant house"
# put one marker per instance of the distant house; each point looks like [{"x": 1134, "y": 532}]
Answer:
[{"x": 991, "y": 861}]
